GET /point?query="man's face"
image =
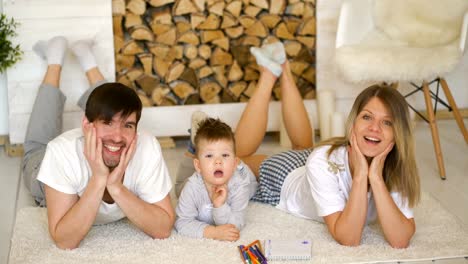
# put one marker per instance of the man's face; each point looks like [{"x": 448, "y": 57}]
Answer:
[{"x": 115, "y": 135}]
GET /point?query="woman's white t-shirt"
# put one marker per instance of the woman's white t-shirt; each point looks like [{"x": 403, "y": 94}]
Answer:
[
  {"x": 66, "y": 169},
  {"x": 322, "y": 187}
]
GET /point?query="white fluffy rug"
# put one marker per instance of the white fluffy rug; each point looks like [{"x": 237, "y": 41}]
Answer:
[{"x": 438, "y": 236}]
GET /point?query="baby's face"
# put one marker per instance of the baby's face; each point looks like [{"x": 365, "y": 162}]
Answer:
[{"x": 216, "y": 161}]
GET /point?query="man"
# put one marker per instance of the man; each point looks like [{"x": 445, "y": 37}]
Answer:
[{"x": 98, "y": 173}]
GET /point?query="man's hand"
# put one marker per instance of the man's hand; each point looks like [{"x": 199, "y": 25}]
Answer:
[
  {"x": 115, "y": 177},
  {"x": 93, "y": 152}
]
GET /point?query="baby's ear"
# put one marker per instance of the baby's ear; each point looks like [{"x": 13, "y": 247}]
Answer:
[{"x": 196, "y": 164}]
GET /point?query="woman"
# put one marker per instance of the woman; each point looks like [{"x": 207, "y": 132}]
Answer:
[{"x": 345, "y": 182}]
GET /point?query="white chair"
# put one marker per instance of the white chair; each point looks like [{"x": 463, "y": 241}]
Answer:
[{"x": 415, "y": 41}]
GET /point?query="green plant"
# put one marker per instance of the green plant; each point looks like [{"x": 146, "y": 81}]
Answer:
[{"x": 9, "y": 53}]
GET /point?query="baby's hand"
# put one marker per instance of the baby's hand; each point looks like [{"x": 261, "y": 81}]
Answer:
[
  {"x": 228, "y": 232},
  {"x": 219, "y": 195}
]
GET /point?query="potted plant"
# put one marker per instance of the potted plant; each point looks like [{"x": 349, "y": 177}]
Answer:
[{"x": 9, "y": 53}]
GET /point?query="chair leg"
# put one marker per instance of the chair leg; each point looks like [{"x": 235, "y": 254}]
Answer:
[
  {"x": 434, "y": 130},
  {"x": 456, "y": 112}
]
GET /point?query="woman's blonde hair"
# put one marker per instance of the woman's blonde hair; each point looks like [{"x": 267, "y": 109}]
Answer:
[{"x": 400, "y": 171}]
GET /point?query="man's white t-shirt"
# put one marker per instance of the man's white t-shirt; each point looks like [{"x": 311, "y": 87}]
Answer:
[
  {"x": 66, "y": 169},
  {"x": 322, "y": 187}
]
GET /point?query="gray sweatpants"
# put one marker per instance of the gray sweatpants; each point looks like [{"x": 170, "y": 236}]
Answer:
[{"x": 45, "y": 123}]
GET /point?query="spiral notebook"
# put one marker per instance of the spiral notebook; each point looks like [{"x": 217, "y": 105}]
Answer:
[{"x": 293, "y": 249}]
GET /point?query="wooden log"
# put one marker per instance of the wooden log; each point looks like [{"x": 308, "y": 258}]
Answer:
[
  {"x": 252, "y": 11},
  {"x": 298, "y": 67},
  {"x": 190, "y": 77},
  {"x": 197, "y": 63},
  {"x": 200, "y": 4},
  {"x": 235, "y": 72},
  {"x": 117, "y": 26},
  {"x": 158, "y": 49},
  {"x": 229, "y": 20},
  {"x": 131, "y": 47},
  {"x": 148, "y": 82},
  {"x": 193, "y": 99},
  {"x": 305, "y": 55},
  {"x": 181, "y": 89},
  {"x": 220, "y": 57},
  {"x": 118, "y": 7},
  {"x": 292, "y": 23},
  {"x": 282, "y": 32},
  {"x": 220, "y": 75},
  {"x": 204, "y": 71},
  {"x": 159, "y": 28},
  {"x": 251, "y": 87},
  {"x": 210, "y": 35},
  {"x": 145, "y": 101},
  {"x": 270, "y": 39},
  {"x": 258, "y": 29},
  {"x": 132, "y": 20},
  {"x": 141, "y": 32},
  {"x": 296, "y": 9},
  {"x": 174, "y": 72},
  {"x": 168, "y": 38},
  {"x": 277, "y": 7},
  {"x": 190, "y": 52},
  {"x": 182, "y": 25},
  {"x": 307, "y": 27},
  {"x": 241, "y": 54},
  {"x": 222, "y": 43},
  {"x": 292, "y": 47},
  {"x": 227, "y": 96},
  {"x": 204, "y": 51},
  {"x": 146, "y": 60},
  {"x": 260, "y": 3},
  {"x": 182, "y": 7},
  {"x": 309, "y": 10},
  {"x": 189, "y": 37},
  {"x": 247, "y": 21},
  {"x": 118, "y": 44},
  {"x": 176, "y": 52},
  {"x": 234, "y": 32},
  {"x": 212, "y": 22},
  {"x": 209, "y": 90},
  {"x": 251, "y": 41},
  {"x": 270, "y": 20},
  {"x": 158, "y": 94},
  {"x": 196, "y": 19},
  {"x": 309, "y": 75},
  {"x": 161, "y": 66},
  {"x": 161, "y": 16},
  {"x": 237, "y": 88},
  {"x": 158, "y": 3},
  {"x": 234, "y": 7},
  {"x": 169, "y": 100},
  {"x": 309, "y": 42},
  {"x": 134, "y": 73},
  {"x": 123, "y": 79},
  {"x": 250, "y": 74},
  {"x": 217, "y": 8},
  {"x": 137, "y": 7}
]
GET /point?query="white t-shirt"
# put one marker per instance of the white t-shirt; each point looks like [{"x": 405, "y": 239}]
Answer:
[
  {"x": 322, "y": 187},
  {"x": 66, "y": 169}
]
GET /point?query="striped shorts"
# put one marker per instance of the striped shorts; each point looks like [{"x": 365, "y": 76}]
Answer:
[{"x": 274, "y": 170}]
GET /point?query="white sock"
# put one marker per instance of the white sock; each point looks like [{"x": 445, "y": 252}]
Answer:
[
  {"x": 84, "y": 54},
  {"x": 53, "y": 51},
  {"x": 265, "y": 61},
  {"x": 275, "y": 51},
  {"x": 197, "y": 117}
]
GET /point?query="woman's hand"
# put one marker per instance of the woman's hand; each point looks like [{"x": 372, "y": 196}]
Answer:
[
  {"x": 377, "y": 164},
  {"x": 359, "y": 165}
]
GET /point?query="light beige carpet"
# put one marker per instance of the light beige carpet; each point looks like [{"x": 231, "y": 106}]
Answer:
[{"x": 438, "y": 236}]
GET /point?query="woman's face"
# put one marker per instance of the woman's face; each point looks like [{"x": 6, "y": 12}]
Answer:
[{"x": 373, "y": 128}]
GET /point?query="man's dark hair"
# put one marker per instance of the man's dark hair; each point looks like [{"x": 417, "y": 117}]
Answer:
[
  {"x": 211, "y": 130},
  {"x": 110, "y": 99}
]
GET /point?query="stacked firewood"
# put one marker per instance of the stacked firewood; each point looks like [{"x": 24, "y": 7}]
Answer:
[{"x": 177, "y": 52}]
